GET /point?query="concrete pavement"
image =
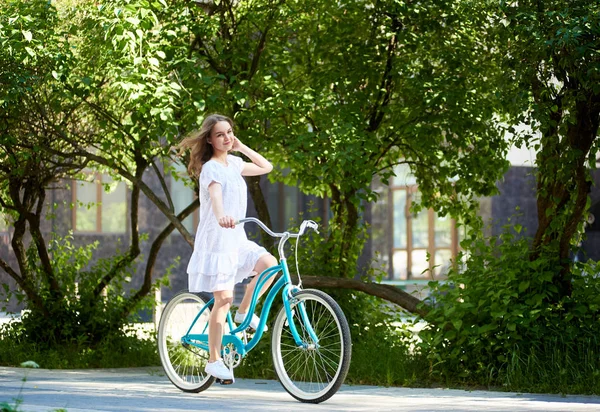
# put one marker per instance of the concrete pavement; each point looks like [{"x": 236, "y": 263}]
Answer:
[{"x": 148, "y": 389}]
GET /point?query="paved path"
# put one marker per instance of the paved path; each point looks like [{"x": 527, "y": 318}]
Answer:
[{"x": 147, "y": 389}]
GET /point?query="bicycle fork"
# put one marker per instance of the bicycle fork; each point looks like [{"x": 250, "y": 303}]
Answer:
[{"x": 288, "y": 301}]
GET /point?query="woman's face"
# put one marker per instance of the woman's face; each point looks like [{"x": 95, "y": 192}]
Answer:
[{"x": 221, "y": 137}]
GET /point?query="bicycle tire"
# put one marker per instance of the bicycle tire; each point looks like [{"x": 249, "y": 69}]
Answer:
[
  {"x": 184, "y": 365},
  {"x": 312, "y": 374}
]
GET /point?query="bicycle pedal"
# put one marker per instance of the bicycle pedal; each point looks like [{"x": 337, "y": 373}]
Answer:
[{"x": 224, "y": 381}]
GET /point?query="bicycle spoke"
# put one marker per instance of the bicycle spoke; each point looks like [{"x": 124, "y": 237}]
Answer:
[{"x": 314, "y": 371}]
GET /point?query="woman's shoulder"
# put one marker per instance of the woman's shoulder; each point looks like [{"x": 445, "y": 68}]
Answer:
[
  {"x": 209, "y": 165},
  {"x": 210, "y": 170},
  {"x": 237, "y": 161}
]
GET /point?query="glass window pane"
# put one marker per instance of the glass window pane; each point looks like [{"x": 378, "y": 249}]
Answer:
[
  {"x": 419, "y": 264},
  {"x": 403, "y": 176},
  {"x": 399, "y": 204},
  {"x": 420, "y": 229},
  {"x": 182, "y": 195},
  {"x": 114, "y": 206},
  {"x": 86, "y": 210},
  {"x": 442, "y": 262},
  {"x": 400, "y": 264},
  {"x": 443, "y": 231}
]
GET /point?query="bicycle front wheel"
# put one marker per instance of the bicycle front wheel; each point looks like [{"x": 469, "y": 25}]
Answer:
[
  {"x": 315, "y": 370},
  {"x": 183, "y": 363}
]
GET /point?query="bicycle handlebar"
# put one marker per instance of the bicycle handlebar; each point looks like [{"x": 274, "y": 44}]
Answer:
[
  {"x": 307, "y": 223},
  {"x": 284, "y": 237}
]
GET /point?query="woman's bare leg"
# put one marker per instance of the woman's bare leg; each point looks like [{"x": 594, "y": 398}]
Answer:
[
  {"x": 266, "y": 261},
  {"x": 216, "y": 323}
]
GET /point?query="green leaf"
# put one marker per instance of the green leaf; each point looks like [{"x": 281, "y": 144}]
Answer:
[
  {"x": 523, "y": 286},
  {"x": 451, "y": 334},
  {"x": 457, "y": 323},
  {"x": 27, "y": 35},
  {"x": 153, "y": 61},
  {"x": 133, "y": 20}
]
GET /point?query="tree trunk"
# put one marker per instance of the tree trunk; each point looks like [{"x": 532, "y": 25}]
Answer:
[
  {"x": 24, "y": 280},
  {"x": 262, "y": 210},
  {"x": 152, "y": 256},
  {"x": 349, "y": 234},
  {"x": 345, "y": 220},
  {"x": 561, "y": 202},
  {"x": 34, "y": 220}
]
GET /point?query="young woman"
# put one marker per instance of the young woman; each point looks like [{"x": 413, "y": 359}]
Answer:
[{"x": 223, "y": 255}]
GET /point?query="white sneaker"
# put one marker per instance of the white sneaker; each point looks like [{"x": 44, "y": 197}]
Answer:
[
  {"x": 218, "y": 370},
  {"x": 239, "y": 318}
]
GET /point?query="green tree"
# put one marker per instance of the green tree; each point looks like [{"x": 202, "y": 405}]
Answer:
[
  {"x": 233, "y": 46},
  {"x": 128, "y": 81},
  {"x": 364, "y": 86},
  {"x": 501, "y": 314},
  {"x": 68, "y": 103},
  {"x": 333, "y": 99},
  {"x": 32, "y": 55},
  {"x": 36, "y": 113},
  {"x": 551, "y": 56}
]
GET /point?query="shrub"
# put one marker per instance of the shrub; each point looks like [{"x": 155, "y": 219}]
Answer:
[
  {"x": 81, "y": 328},
  {"x": 491, "y": 321}
]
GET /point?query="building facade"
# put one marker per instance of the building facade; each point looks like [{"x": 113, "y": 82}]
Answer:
[{"x": 410, "y": 249}]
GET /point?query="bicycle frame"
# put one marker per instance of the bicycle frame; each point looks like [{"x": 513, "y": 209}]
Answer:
[{"x": 283, "y": 284}]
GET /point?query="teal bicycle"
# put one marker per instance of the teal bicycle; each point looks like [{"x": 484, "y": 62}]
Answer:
[{"x": 310, "y": 338}]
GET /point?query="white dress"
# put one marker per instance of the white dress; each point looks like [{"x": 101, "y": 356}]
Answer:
[{"x": 222, "y": 257}]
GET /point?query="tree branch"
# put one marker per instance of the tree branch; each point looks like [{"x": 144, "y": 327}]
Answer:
[
  {"x": 387, "y": 292},
  {"x": 134, "y": 247},
  {"x": 163, "y": 184},
  {"x": 153, "y": 255},
  {"x": 38, "y": 238}
]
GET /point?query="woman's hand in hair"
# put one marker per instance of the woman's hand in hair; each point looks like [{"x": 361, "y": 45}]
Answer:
[{"x": 237, "y": 145}]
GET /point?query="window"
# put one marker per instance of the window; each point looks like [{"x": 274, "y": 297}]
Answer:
[
  {"x": 423, "y": 243},
  {"x": 182, "y": 196},
  {"x": 100, "y": 205}
]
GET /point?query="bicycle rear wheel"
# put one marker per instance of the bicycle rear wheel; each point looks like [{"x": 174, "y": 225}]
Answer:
[
  {"x": 315, "y": 371},
  {"x": 183, "y": 363}
]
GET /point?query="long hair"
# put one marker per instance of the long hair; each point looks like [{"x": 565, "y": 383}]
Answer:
[{"x": 200, "y": 150}]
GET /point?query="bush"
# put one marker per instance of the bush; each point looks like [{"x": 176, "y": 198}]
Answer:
[
  {"x": 80, "y": 329},
  {"x": 116, "y": 350},
  {"x": 491, "y": 322},
  {"x": 382, "y": 344}
]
